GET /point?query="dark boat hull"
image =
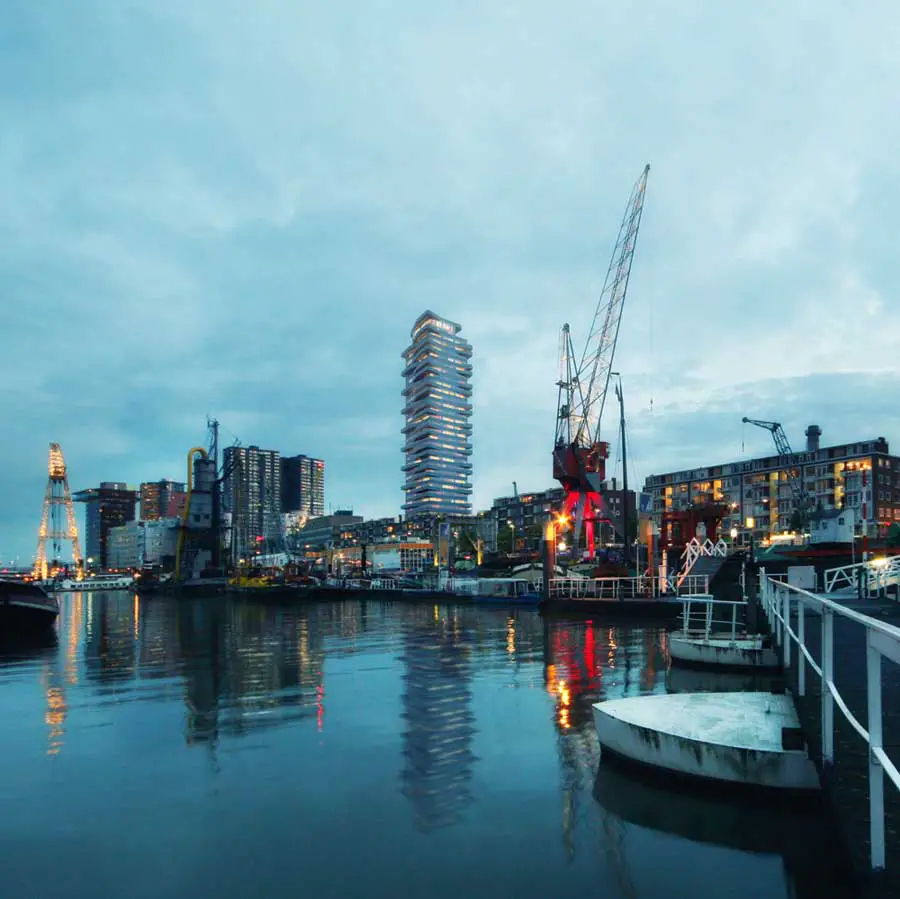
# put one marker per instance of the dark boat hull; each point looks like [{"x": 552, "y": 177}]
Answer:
[{"x": 25, "y": 608}]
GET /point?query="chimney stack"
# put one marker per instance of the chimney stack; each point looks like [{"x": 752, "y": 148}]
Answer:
[{"x": 813, "y": 433}]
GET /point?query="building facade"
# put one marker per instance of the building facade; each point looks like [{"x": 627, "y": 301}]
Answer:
[
  {"x": 325, "y": 532},
  {"x": 251, "y": 497},
  {"x": 140, "y": 543},
  {"x": 437, "y": 433},
  {"x": 162, "y": 499},
  {"x": 303, "y": 486},
  {"x": 757, "y": 495},
  {"x": 111, "y": 504},
  {"x": 519, "y": 518}
]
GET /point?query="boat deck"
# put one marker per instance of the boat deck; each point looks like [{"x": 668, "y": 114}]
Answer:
[{"x": 736, "y": 737}]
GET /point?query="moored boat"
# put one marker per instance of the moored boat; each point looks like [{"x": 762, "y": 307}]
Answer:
[
  {"x": 91, "y": 583},
  {"x": 25, "y": 608},
  {"x": 740, "y": 651},
  {"x": 498, "y": 590},
  {"x": 752, "y": 739}
]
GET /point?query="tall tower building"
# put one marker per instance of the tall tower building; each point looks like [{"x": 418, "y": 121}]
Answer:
[
  {"x": 108, "y": 506},
  {"x": 303, "y": 485},
  {"x": 158, "y": 498},
  {"x": 438, "y": 434},
  {"x": 252, "y": 495}
]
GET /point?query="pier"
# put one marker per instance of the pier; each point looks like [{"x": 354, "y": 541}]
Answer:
[{"x": 841, "y": 657}]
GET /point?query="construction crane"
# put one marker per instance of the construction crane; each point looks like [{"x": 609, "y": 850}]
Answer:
[
  {"x": 53, "y": 530},
  {"x": 579, "y": 456},
  {"x": 786, "y": 454}
]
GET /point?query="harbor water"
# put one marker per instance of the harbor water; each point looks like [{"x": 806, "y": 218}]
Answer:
[{"x": 360, "y": 749}]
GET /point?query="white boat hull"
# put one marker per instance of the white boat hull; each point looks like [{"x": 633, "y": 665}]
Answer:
[
  {"x": 732, "y": 737},
  {"x": 742, "y": 652},
  {"x": 90, "y": 585}
]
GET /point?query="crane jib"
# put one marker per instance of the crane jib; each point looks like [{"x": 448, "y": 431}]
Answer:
[{"x": 579, "y": 457}]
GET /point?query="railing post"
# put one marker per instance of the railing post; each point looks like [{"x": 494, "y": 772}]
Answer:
[
  {"x": 876, "y": 772},
  {"x": 733, "y": 623},
  {"x": 786, "y": 624},
  {"x": 776, "y": 608},
  {"x": 801, "y": 643},
  {"x": 827, "y": 680}
]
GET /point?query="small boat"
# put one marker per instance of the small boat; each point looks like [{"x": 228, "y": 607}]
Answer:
[
  {"x": 740, "y": 651},
  {"x": 25, "y": 608},
  {"x": 261, "y": 583},
  {"x": 499, "y": 591},
  {"x": 718, "y": 643},
  {"x": 753, "y": 739}
]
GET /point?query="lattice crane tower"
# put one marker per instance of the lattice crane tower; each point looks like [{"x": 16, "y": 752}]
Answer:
[
  {"x": 53, "y": 530},
  {"x": 579, "y": 455}
]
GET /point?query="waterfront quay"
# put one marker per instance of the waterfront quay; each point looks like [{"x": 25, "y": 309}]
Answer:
[
  {"x": 229, "y": 748},
  {"x": 846, "y": 779}
]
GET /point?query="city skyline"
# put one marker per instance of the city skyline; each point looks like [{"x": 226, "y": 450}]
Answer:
[{"x": 477, "y": 167}]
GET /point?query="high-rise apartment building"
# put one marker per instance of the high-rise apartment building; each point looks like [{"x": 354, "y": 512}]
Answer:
[
  {"x": 107, "y": 506},
  {"x": 758, "y": 496},
  {"x": 252, "y": 495},
  {"x": 160, "y": 498},
  {"x": 438, "y": 434},
  {"x": 303, "y": 485}
]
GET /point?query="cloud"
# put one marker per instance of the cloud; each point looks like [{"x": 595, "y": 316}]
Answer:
[{"x": 217, "y": 210}]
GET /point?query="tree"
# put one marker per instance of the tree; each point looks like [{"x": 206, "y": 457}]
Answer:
[{"x": 893, "y": 536}]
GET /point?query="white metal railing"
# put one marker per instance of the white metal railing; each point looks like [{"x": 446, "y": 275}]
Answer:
[
  {"x": 708, "y": 621},
  {"x": 643, "y": 587},
  {"x": 875, "y": 573},
  {"x": 384, "y": 583},
  {"x": 779, "y": 601},
  {"x": 696, "y": 549}
]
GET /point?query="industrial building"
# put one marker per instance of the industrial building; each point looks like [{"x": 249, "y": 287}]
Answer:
[
  {"x": 760, "y": 496},
  {"x": 437, "y": 432},
  {"x": 162, "y": 499},
  {"x": 140, "y": 543},
  {"x": 303, "y": 486},
  {"x": 111, "y": 504},
  {"x": 324, "y": 532},
  {"x": 251, "y": 494}
]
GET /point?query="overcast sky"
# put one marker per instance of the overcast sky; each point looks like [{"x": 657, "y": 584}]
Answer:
[{"x": 238, "y": 209}]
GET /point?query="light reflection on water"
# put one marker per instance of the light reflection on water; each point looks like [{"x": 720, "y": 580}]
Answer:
[{"x": 358, "y": 748}]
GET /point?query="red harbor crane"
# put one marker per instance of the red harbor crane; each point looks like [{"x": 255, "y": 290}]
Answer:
[{"x": 579, "y": 455}]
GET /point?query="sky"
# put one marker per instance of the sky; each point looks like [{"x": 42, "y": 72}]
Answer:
[{"x": 239, "y": 209}]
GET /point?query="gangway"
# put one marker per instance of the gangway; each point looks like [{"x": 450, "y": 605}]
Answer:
[{"x": 876, "y": 575}]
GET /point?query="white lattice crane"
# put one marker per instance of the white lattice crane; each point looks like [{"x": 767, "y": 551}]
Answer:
[
  {"x": 53, "y": 530},
  {"x": 579, "y": 455}
]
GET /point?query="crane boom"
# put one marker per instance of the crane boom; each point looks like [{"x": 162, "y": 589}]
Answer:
[
  {"x": 778, "y": 435},
  {"x": 600, "y": 347}
]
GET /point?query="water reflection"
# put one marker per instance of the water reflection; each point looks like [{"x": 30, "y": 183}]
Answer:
[
  {"x": 451, "y": 744},
  {"x": 437, "y": 696}
]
